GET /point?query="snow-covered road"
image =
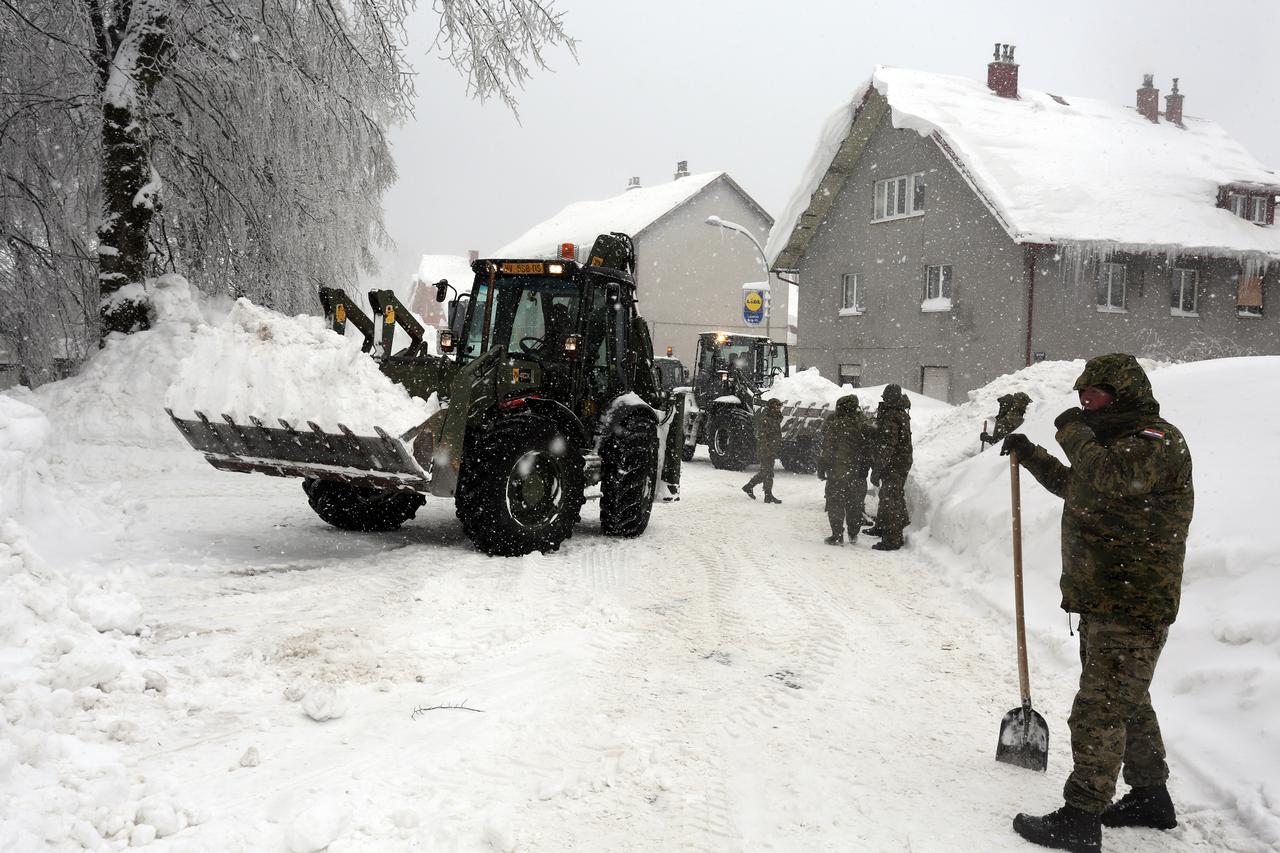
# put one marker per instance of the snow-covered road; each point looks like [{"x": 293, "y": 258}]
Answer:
[{"x": 726, "y": 682}]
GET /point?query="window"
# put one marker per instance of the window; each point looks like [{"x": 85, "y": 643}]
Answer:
[
  {"x": 1254, "y": 208},
  {"x": 851, "y": 374},
  {"x": 851, "y": 294},
  {"x": 1259, "y": 210},
  {"x": 935, "y": 382},
  {"x": 1185, "y": 300},
  {"x": 1239, "y": 204},
  {"x": 896, "y": 198},
  {"x": 1111, "y": 297},
  {"x": 1249, "y": 296},
  {"x": 937, "y": 288}
]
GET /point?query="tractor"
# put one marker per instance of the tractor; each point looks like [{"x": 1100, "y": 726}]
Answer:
[
  {"x": 731, "y": 374},
  {"x": 546, "y": 372}
]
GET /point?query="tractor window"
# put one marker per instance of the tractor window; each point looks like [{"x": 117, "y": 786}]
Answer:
[
  {"x": 602, "y": 342},
  {"x": 479, "y": 306},
  {"x": 524, "y": 310}
]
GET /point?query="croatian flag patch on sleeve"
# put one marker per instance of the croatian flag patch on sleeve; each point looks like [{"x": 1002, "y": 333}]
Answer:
[{"x": 1152, "y": 432}]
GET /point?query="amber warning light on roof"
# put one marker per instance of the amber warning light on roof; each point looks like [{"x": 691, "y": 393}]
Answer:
[{"x": 568, "y": 251}]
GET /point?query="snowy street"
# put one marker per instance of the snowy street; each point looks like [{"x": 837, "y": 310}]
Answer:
[{"x": 725, "y": 682}]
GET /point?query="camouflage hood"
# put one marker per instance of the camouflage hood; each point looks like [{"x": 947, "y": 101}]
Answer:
[
  {"x": 1015, "y": 403},
  {"x": 1135, "y": 404},
  {"x": 848, "y": 405},
  {"x": 893, "y": 398}
]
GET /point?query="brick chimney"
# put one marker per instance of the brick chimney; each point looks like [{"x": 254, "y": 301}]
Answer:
[
  {"x": 682, "y": 170},
  {"x": 1173, "y": 105},
  {"x": 633, "y": 184},
  {"x": 1002, "y": 72},
  {"x": 1149, "y": 99}
]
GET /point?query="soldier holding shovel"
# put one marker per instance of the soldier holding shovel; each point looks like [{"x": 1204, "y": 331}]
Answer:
[{"x": 1127, "y": 504}]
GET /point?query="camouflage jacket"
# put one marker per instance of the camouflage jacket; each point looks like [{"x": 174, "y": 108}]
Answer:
[
  {"x": 768, "y": 434},
  {"x": 893, "y": 436},
  {"x": 846, "y": 454},
  {"x": 1128, "y": 500}
]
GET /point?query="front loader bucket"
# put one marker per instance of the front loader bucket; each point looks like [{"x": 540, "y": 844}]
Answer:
[{"x": 379, "y": 461}]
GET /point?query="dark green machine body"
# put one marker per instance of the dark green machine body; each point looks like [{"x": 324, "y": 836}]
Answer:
[{"x": 548, "y": 384}]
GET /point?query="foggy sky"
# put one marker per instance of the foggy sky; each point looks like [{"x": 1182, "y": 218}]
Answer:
[{"x": 744, "y": 86}]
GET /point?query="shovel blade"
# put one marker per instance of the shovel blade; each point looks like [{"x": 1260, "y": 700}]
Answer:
[{"x": 1024, "y": 739}]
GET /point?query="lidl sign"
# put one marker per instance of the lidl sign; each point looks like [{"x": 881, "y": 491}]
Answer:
[{"x": 753, "y": 306}]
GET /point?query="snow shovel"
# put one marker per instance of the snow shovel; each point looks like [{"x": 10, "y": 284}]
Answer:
[{"x": 1024, "y": 735}]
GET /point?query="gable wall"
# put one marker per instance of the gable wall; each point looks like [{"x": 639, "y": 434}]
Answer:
[
  {"x": 982, "y": 337},
  {"x": 689, "y": 274}
]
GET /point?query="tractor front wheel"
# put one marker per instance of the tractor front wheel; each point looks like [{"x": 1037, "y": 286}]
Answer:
[
  {"x": 800, "y": 456},
  {"x": 731, "y": 439},
  {"x": 520, "y": 488},
  {"x": 350, "y": 507}
]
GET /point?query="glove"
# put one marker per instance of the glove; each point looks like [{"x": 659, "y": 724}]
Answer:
[
  {"x": 1018, "y": 443},
  {"x": 1070, "y": 416},
  {"x": 985, "y": 438}
]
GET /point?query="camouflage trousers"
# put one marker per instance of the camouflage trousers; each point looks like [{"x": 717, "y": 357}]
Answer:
[
  {"x": 845, "y": 499},
  {"x": 1112, "y": 722},
  {"x": 764, "y": 475},
  {"x": 892, "y": 517}
]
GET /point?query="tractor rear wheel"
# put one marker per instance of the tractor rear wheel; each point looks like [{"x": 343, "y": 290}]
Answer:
[
  {"x": 351, "y": 507},
  {"x": 731, "y": 439},
  {"x": 629, "y": 458},
  {"x": 520, "y": 488}
]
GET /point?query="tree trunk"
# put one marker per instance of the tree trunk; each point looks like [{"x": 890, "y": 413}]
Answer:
[{"x": 129, "y": 186}]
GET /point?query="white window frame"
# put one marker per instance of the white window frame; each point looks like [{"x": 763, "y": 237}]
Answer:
[
  {"x": 1178, "y": 291},
  {"x": 896, "y": 197},
  {"x": 1239, "y": 204},
  {"x": 939, "y": 277},
  {"x": 1258, "y": 210},
  {"x": 1107, "y": 277},
  {"x": 858, "y": 305}
]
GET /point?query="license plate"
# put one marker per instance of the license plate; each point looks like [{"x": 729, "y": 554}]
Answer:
[{"x": 524, "y": 269}]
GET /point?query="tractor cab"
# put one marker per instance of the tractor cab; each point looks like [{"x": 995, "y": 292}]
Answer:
[{"x": 725, "y": 360}]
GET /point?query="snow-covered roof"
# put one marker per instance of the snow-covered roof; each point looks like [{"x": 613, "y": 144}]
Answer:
[
  {"x": 455, "y": 268},
  {"x": 631, "y": 212},
  {"x": 1060, "y": 169}
]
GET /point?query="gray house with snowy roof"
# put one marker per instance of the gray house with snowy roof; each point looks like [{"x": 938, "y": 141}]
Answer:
[
  {"x": 947, "y": 232},
  {"x": 689, "y": 274}
]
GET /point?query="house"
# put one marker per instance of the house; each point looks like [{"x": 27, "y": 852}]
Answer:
[
  {"x": 947, "y": 232},
  {"x": 690, "y": 274}
]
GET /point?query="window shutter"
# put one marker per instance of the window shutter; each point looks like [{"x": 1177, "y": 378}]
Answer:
[{"x": 1250, "y": 292}]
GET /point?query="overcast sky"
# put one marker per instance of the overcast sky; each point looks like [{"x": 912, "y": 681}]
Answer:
[{"x": 743, "y": 86}]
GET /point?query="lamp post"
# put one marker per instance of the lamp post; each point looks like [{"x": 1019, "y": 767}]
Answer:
[{"x": 733, "y": 226}]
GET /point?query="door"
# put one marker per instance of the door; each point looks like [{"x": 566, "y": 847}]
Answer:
[{"x": 935, "y": 382}]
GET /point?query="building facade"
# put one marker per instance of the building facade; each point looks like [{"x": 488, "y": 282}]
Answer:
[{"x": 926, "y": 261}]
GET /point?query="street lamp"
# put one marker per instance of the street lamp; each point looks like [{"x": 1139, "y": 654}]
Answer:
[{"x": 764, "y": 260}]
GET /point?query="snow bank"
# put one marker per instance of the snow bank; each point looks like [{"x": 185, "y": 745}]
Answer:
[
  {"x": 71, "y": 670},
  {"x": 1219, "y": 679},
  {"x": 809, "y": 386}
]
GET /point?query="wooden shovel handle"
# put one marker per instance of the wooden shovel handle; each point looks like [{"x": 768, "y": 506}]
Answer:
[{"x": 1024, "y": 680}]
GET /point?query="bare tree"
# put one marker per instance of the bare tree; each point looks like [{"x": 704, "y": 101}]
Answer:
[{"x": 240, "y": 142}]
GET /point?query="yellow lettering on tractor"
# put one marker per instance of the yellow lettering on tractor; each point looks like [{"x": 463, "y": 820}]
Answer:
[
  {"x": 524, "y": 269},
  {"x": 515, "y": 374},
  {"x": 389, "y": 316},
  {"x": 340, "y": 313}
]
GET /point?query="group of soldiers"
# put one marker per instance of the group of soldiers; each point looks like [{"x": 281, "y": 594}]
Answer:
[{"x": 855, "y": 447}]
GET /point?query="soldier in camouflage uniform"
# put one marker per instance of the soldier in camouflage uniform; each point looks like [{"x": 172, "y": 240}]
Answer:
[
  {"x": 768, "y": 448},
  {"x": 1013, "y": 410},
  {"x": 1128, "y": 500},
  {"x": 892, "y": 461},
  {"x": 844, "y": 464}
]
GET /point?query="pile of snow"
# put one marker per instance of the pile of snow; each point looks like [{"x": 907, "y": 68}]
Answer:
[
  {"x": 1218, "y": 682},
  {"x": 809, "y": 387},
  {"x": 70, "y": 654}
]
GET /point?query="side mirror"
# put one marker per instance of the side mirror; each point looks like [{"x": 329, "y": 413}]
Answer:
[
  {"x": 442, "y": 290},
  {"x": 446, "y": 340}
]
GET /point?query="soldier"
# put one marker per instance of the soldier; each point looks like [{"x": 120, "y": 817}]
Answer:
[
  {"x": 892, "y": 462},
  {"x": 1128, "y": 500},
  {"x": 1013, "y": 410},
  {"x": 768, "y": 447},
  {"x": 844, "y": 463}
]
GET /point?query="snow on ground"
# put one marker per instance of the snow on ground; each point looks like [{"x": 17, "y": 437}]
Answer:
[{"x": 192, "y": 661}]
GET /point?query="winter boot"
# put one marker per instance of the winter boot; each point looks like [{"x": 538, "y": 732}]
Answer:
[
  {"x": 1148, "y": 806},
  {"x": 1069, "y": 828},
  {"x": 888, "y": 544},
  {"x": 770, "y": 499},
  {"x": 834, "y": 539},
  {"x": 670, "y": 493},
  {"x": 873, "y": 530},
  {"x": 751, "y": 493}
]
